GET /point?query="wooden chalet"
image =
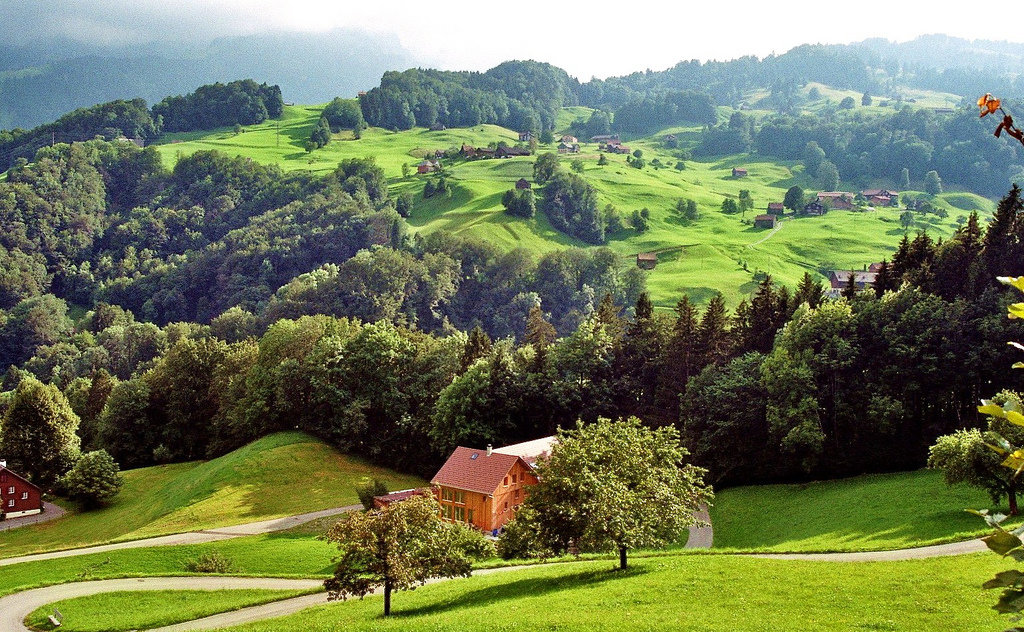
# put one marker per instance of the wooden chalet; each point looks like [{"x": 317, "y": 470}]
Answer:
[
  {"x": 523, "y": 184},
  {"x": 766, "y": 221},
  {"x": 815, "y": 208},
  {"x": 776, "y": 208},
  {"x": 428, "y": 166},
  {"x": 483, "y": 488},
  {"x": 570, "y": 140},
  {"x": 646, "y": 260},
  {"x": 509, "y": 152},
  {"x": 525, "y": 137},
  {"x": 739, "y": 172},
  {"x": 530, "y": 451},
  {"x": 568, "y": 148},
  {"x": 617, "y": 149},
  {"x": 838, "y": 200},
  {"x": 881, "y": 197},
  {"x": 840, "y": 279},
  {"x": 18, "y": 496}
]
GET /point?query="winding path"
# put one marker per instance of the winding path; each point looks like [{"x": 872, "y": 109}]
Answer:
[{"x": 14, "y": 608}]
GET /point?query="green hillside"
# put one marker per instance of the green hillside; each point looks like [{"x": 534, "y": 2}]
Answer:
[
  {"x": 279, "y": 475},
  {"x": 717, "y": 252}
]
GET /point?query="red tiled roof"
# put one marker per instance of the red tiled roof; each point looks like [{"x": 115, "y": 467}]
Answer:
[
  {"x": 775, "y": 206},
  {"x": 764, "y": 218},
  {"x": 472, "y": 470}
]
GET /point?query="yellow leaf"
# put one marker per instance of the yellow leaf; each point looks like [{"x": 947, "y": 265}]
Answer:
[
  {"x": 1017, "y": 282},
  {"x": 1014, "y": 417},
  {"x": 994, "y": 410}
]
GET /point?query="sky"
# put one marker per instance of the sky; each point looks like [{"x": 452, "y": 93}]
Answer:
[{"x": 587, "y": 39}]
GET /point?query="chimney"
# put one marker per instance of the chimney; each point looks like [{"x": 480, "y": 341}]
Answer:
[
  {"x": 489, "y": 449},
  {"x": 3, "y": 463}
]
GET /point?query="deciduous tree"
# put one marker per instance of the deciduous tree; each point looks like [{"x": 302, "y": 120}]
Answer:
[
  {"x": 38, "y": 434},
  {"x": 399, "y": 547}
]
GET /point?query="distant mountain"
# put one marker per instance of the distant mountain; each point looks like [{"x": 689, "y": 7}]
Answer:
[
  {"x": 942, "y": 52},
  {"x": 40, "y": 84}
]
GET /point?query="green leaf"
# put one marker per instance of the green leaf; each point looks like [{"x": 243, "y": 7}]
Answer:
[
  {"x": 1005, "y": 579},
  {"x": 990, "y": 408},
  {"x": 1002, "y": 542},
  {"x": 1016, "y": 310},
  {"x": 1018, "y": 365}
]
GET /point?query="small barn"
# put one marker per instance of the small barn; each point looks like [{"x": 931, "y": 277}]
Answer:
[
  {"x": 646, "y": 260},
  {"x": 739, "y": 172},
  {"x": 525, "y": 137},
  {"x": 776, "y": 208},
  {"x": 18, "y": 497},
  {"x": 428, "y": 166},
  {"x": 815, "y": 208},
  {"x": 765, "y": 221}
]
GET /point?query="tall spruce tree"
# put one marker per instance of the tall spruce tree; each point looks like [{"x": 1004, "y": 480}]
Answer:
[
  {"x": 714, "y": 339},
  {"x": 681, "y": 358}
]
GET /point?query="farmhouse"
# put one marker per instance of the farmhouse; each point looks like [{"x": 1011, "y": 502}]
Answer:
[
  {"x": 617, "y": 149},
  {"x": 523, "y": 183},
  {"x": 438, "y": 127},
  {"x": 508, "y": 152},
  {"x": 530, "y": 451},
  {"x": 604, "y": 138},
  {"x": 839, "y": 200},
  {"x": 568, "y": 148},
  {"x": 570, "y": 140},
  {"x": 738, "y": 172},
  {"x": 525, "y": 137},
  {"x": 840, "y": 279},
  {"x": 765, "y": 221},
  {"x": 646, "y": 260},
  {"x": 815, "y": 208},
  {"x": 881, "y": 197},
  {"x": 18, "y": 497},
  {"x": 776, "y": 208},
  {"x": 483, "y": 488},
  {"x": 379, "y": 502},
  {"x": 428, "y": 166}
]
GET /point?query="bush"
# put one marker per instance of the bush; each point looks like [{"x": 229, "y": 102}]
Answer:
[
  {"x": 94, "y": 479},
  {"x": 366, "y": 491},
  {"x": 520, "y": 538},
  {"x": 212, "y": 562}
]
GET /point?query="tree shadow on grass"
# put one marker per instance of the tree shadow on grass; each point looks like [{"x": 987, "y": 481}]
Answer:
[{"x": 522, "y": 588}]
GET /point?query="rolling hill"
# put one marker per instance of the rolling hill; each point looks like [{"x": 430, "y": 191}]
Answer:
[{"x": 716, "y": 253}]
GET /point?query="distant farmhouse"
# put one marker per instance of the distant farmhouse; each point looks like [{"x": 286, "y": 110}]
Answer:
[
  {"x": 881, "y": 197},
  {"x": 525, "y": 137},
  {"x": 18, "y": 497},
  {"x": 776, "y": 208},
  {"x": 837, "y": 200},
  {"x": 570, "y": 140},
  {"x": 428, "y": 166},
  {"x": 646, "y": 260},
  {"x": 815, "y": 208},
  {"x": 766, "y": 221},
  {"x": 568, "y": 148},
  {"x": 438, "y": 127},
  {"x": 739, "y": 172},
  {"x": 482, "y": 153},
  {"x": 839, "y": 280},
  {"x": 605, "y": 138}
]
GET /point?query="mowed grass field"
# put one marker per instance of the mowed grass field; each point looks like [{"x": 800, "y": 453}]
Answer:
[
  {"x": 279, "y": 475},
  {"x": 702, "y": 593},
  {"x": 716, "y": 253},
  {"x": 866, "y": 513}
]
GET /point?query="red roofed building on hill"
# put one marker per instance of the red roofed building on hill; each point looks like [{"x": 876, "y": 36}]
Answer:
[
  {"x": 483, "y": 488},
  {"x": 18, "y": 497}
]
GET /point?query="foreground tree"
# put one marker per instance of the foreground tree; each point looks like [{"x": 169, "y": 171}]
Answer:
[
  {"x": 38, "y": 433},
  {"x": 965, "y": 457},
  {"x": 94, "y": 479},
  {"x": 616, "y": 484},
  {"x": 400, "y": 547}
]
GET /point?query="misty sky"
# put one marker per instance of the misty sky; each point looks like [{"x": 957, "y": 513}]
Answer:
[{"x": 587, "y": 39}]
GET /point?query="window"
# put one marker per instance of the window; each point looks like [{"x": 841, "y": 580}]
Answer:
[
  {"x": 448, "y": 512},
  {"x": 460, "y": 498},
  {"x": 10, "y": 503},
  {"x": 10, "y": 490},
  {"x": 24, "y": 495},
  {"x": 446, "y": 494},
  {"x": 506, "y": 505},
  {"x": 460, "y": 514},
  {"x": 505, "y": 482},
  {"x": 517, "y": 495}
]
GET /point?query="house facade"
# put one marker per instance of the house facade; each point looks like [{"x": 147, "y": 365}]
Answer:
[
  {"x": 765, "y": 221},
  {"x": 646, "y": 260},
  {"x": 839, "y": 200},
  {"x": 483, "y": 488},
  {"x": 18, "y": 497}
]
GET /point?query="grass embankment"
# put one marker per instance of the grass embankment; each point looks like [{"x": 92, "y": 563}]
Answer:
[
  {"x": 866, "y": 513},
  {"x": 280, "y": 475},
  {"x": 142, "y": 610},
  {"x": 705, "y": 593},
  {"x": 716, "y": 253}
]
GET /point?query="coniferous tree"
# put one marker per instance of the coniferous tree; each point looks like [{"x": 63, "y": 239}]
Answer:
[
  {"x": 680, "y": 358},
  {"x": 714, "y": 340},
  {"x": 808, "y": 291},
  {"x": 1002, "y": 244},
  {"x": 884, "y": 280},
  {"x": 539, "y": 332},
  {"x": 478, "y": 345},
  {"x": 850, "y": 290}
]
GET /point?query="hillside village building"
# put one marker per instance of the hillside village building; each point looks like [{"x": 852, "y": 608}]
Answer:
[
  {"x": 485, "y": 488},
  {"x": 18, "y": 497}
]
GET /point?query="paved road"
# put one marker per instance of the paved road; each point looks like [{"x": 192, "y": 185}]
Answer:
[
  {"x": 192, "y": 537},
  {"x": 917, "y": 553},
  {"x": 14, "y": 608},
  {"x": 50, "y": 512}
]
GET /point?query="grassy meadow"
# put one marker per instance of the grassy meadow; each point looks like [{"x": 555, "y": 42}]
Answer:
[
  {"x": 685, "y": 592},
  {"x": 716, "y": 253},
  {"x": 135, "y": 610},
  {"x": 280, "y": 475},
  {"x": 873, "y": 512}
]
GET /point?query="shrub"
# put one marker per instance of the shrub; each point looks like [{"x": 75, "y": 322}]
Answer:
[
  {"x": 212, "y": 562},
  {"x": 94, "y": 478},
  {"x": 366, "y": 491}
]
